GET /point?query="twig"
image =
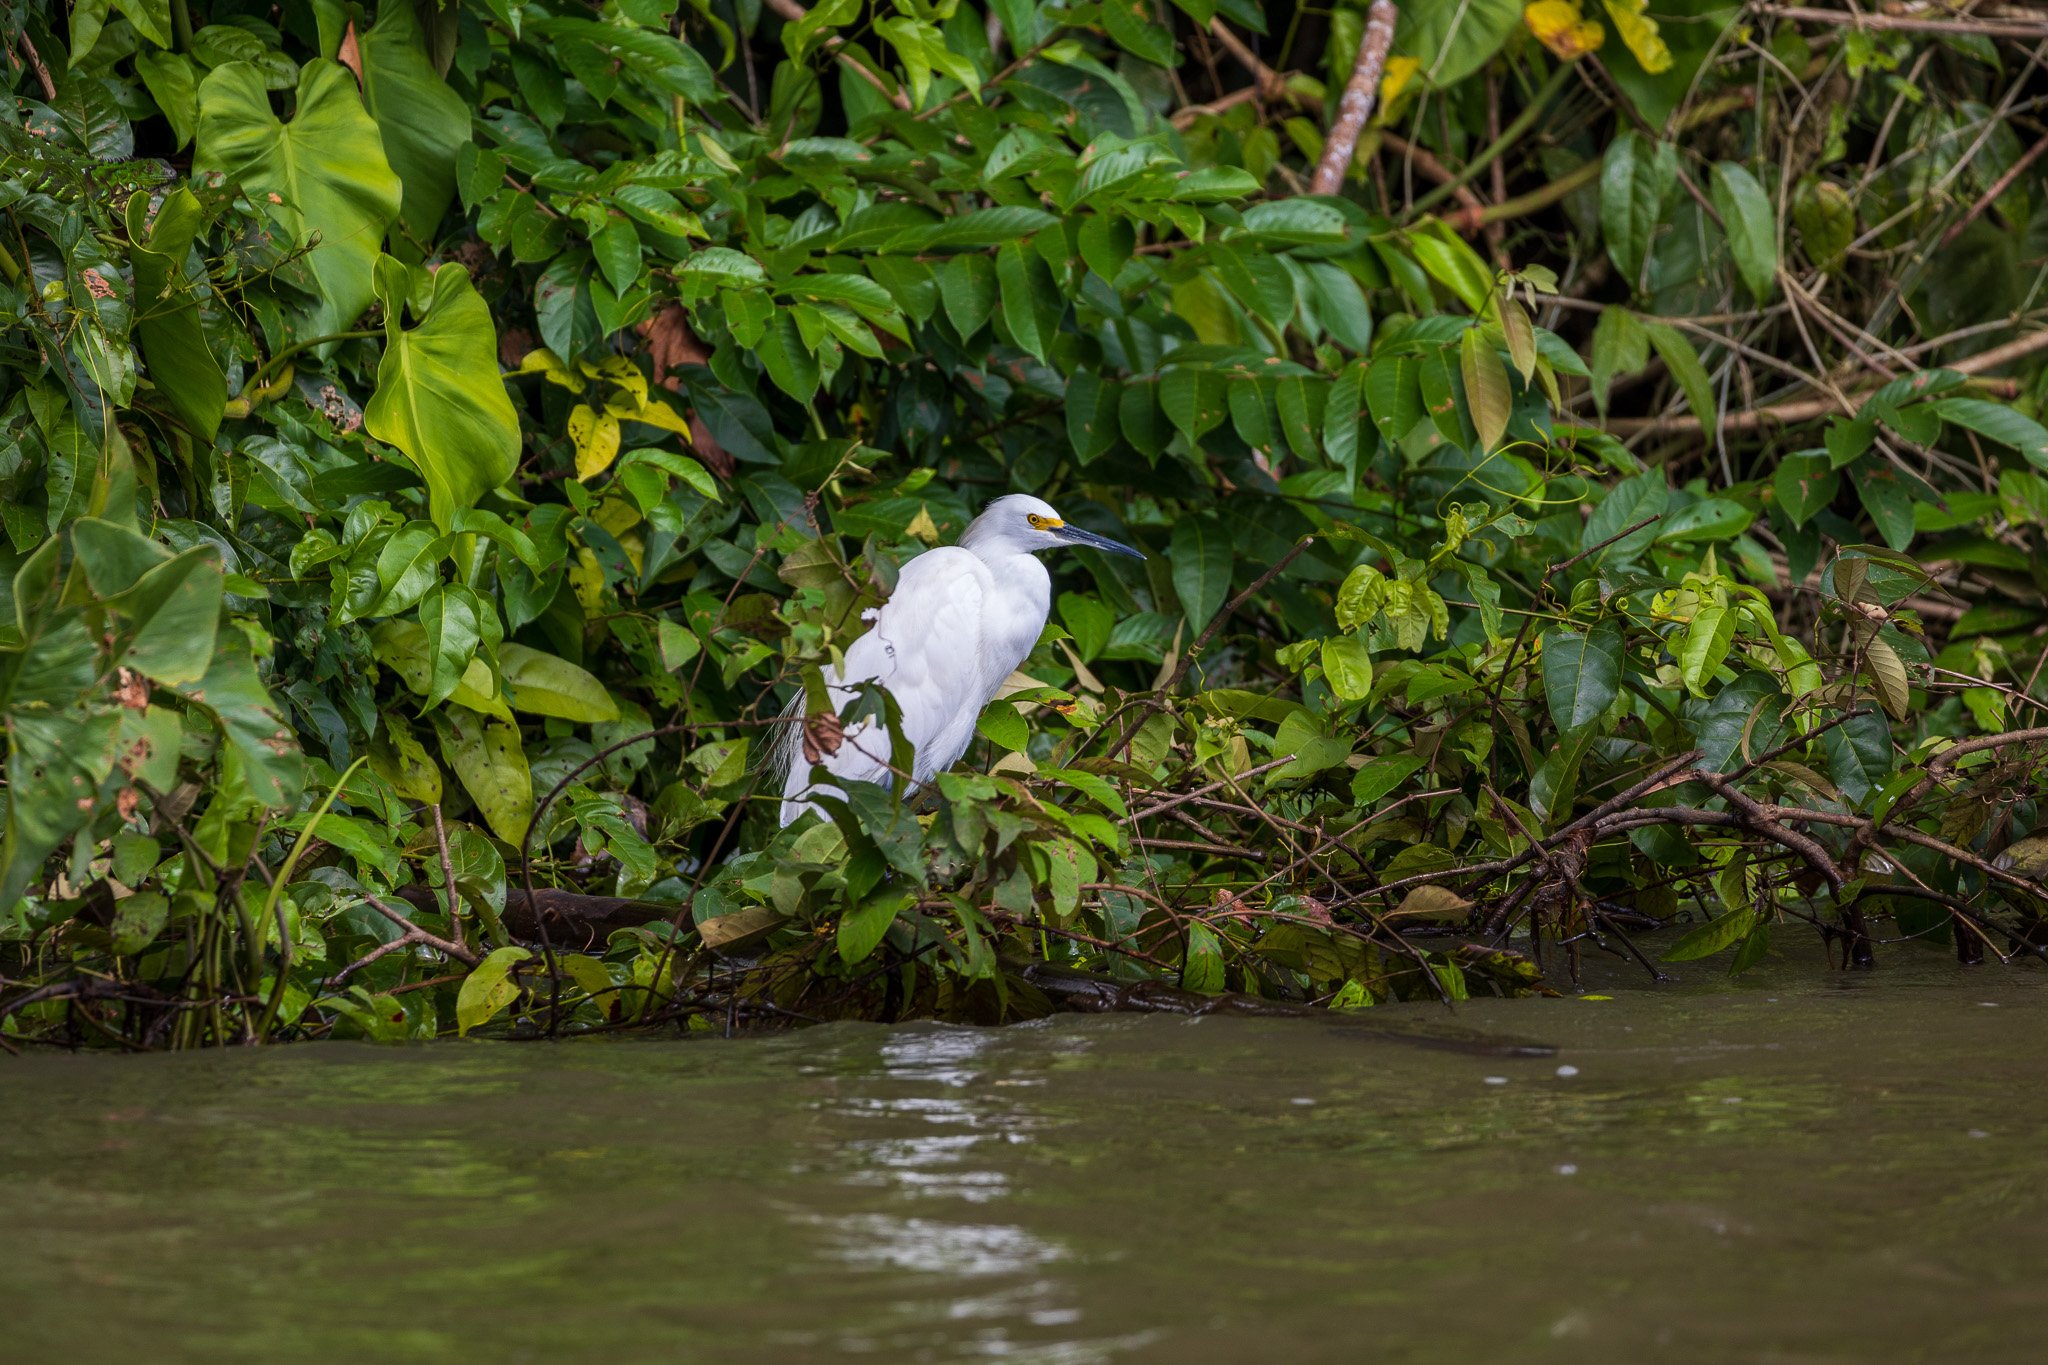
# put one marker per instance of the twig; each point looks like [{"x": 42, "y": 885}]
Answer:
[
  {"x": 1808, "y": 409},
  {"x": 413, "y": 936},
  {"x": 1250, "y": 855},
  {"x": 35, "y": 61},
  {"x": 1862, "y": 19},
  {"x": 448, "y": 875},
  {"x": 1270, "y": 82},
  {"x": 1998, "y": 187},
  {"x": 1355, "y": 106},
  {"x": 790, "y": 12}
]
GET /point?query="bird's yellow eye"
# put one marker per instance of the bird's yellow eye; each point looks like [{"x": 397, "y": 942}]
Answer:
[{"x": 1038, "y": 523}]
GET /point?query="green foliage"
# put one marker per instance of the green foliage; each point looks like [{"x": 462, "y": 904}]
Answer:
[{"x": 476, "y": 454}]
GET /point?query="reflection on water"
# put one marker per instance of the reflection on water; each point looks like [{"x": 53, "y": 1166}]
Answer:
[{"x": 1804, "y": 1167}]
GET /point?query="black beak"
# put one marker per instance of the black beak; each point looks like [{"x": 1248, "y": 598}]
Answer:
[{"x": 1074, "y": 535}]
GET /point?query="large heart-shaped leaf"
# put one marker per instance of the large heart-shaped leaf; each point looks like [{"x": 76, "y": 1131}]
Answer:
[
  {"x": 323, "y": 175},
  {"x": 423, "y": 122},
  {"x": 439, "y": 397}
]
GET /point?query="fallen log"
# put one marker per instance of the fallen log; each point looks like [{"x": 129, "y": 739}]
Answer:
[
  {"x": 576, "y": 921},
  {"x": 580, "y": 922}
]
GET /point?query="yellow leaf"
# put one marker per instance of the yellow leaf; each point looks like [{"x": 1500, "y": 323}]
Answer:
[
  {"x": 1399, "y": 71},
  {"x": 550, "y": 367},
  {"x": 1639, "y": 32},
  {"x": 622, "y": 372},
  {"x": 655, "y": 412},
  {"x": 1559, "y": 26},
  {"x": 923, "y": 527},
  {"x": 596, "y": 435}
]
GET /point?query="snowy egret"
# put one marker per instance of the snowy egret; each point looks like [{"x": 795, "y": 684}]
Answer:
[{"x": 960, "y": 621}]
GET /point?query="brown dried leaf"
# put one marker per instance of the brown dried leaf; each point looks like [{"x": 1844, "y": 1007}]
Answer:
[
  {"x": 349, "y": 55},
  {"x": 1433, "y": 902},
  {"x": 823, "y": 734}
]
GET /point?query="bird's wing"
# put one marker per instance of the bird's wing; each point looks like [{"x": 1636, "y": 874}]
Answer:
[{"x": 925, "y": 647}]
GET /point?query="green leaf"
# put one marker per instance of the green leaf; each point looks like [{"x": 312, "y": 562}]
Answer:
[
  {"x": 1621, "y": 346},
  {"x": 173, "y": 82},
  {"x": 173, "y": 612},
  {"x": 1379, "y": 777},
  {"x": 1137, "y": 30},
  {"x": 1704, "y": 645},
  {"x": 253, "y": 724},
  {"x": 787, "y": 359},
  {"x": 488, "y": 989},
  {"x": 403, "y": 647},
  {"x": 1340, "y": 306},
  {"x": 323, "y": 174},
  {"x": 1202, "y": 969},
  {"x": 1451, "y": 40},
  {"x": 1031, "y": 302},
  {"x": 2001, "y": 423},
  {"x": 1713, "y": 936},
  {"x": 967, "y": 291},
  {"x": 617, "y": 249},
  {"x": 1347, "y": 667},
  {"x": 1002, "y": 725},
  {"x": 1193, "y": 401},
  {"x": 486, "y": 755},
  {"x": 1684, "y": 363},
  {"x": 861, "y": 931},
  {"x": 1751, "y": 224},
  {"x": 1091, "y": 414},
  {"x": 1487, "y": 391},
  {"x": 1581, "y": 673},
  {"x": 1826, "y": 218},
  {"x": 1859, "y": 755},
  {"x": 422, "y": 122},
  {"x": 543, "y": 685},
  {"x": 1629, "y": 503},
  {"x": 439, "y": 397},
  {"x": 1393, "y": 395},
  {"x": 1803, "y": 484},
  {"x": 1340, "y": 417},
  {"x": 138, "y": 919},
  {"x": 1636, "y": 178},
  {"x": 188, "y": 379},
  {"x": 1452, "y": 263},
  {"x": 1201, "y": 554},
  {"x": 1107, "y": 241},
  {"x": 1088, "y": 621},
  {"x": 52, "y": 756},
  {"x": 451, "y": 617},
  {"x": 1705, "y": 519},
  {"x": 1888, "y": 498}
]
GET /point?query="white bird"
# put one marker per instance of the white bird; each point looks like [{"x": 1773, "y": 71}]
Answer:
[{"x": 960, "y": 621}]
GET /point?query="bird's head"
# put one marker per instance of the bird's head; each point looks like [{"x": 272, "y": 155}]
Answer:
[{"x": 1021, "y": 524}]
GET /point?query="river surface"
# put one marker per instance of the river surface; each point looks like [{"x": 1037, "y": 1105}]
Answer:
[{"x": 1801, "y": 1166}]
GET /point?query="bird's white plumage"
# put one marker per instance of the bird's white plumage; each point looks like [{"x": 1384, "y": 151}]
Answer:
[{"x": 962, "y": 618}]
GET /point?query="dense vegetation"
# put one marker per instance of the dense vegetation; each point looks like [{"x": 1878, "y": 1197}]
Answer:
[{"x": 1599, "y": 486}]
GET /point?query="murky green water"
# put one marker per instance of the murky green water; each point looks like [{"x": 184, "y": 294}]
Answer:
[{"x": 1799, "y": 1168}]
